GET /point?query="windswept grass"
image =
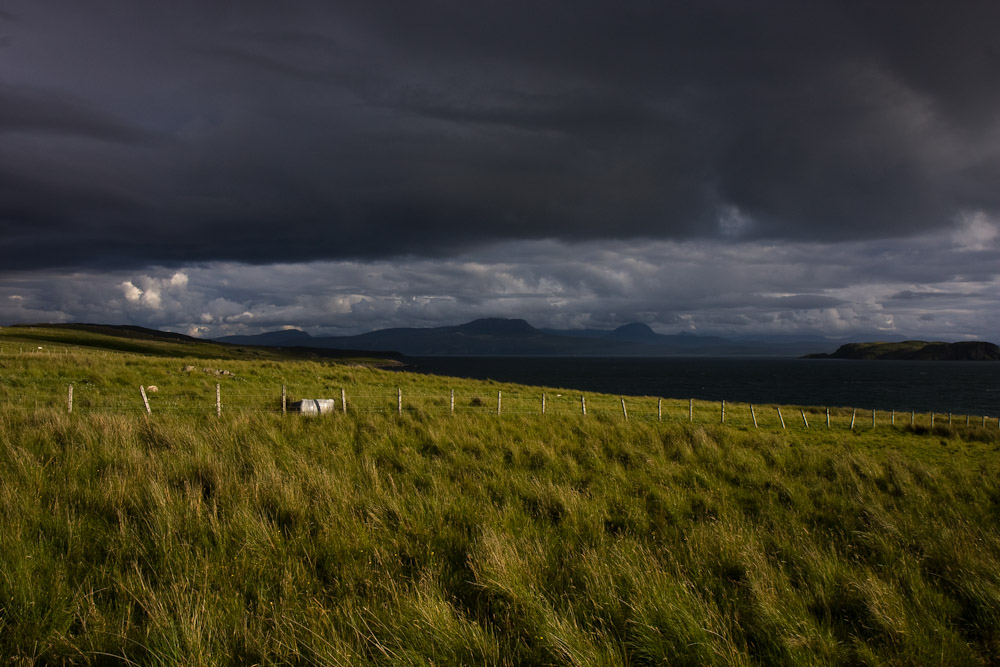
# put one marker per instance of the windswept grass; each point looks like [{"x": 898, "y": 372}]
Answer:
[{"x": 375, "y": 538}]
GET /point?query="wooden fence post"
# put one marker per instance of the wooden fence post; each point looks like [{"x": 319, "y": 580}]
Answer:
[
  {"x": 624, "y": 411},
  {"x": 399, "y": 400},
  {"x": 583, "y": 405},
  {"x": 780, "y": 418},
  {"x": 690, "y": 409},
  {"x": 753, "y": 416},
  {"x": 873, "y": 417},
  {"x": 543, "y": 402},
  {"x": 498, "y": 402},
  {"x": 145, "y": 401},
  {"x": 932, "y": 419},
  {"x": 723, "y": 417},
  {"x": 853, "y": 415},
  {"x": 343, "y": 400},
  {"x": 804, "y": 417},
  {"x": 966, "y": 420},
  {"x": 984, "y": 421},
  {"x": 452, "y": 401},
  {"x": 913, "y": 417},
  {"x": 828, "y": 417},
  {"x": 892, "y": 417},
  {"x": 218, "y": 400},
  {"x": 69, "y": 401},
  {"x": 659, "y": 409},
  {"x": 284, "y": 401}
]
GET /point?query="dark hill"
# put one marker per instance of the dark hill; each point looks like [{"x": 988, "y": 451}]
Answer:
[
  {"x": 494, "y": 326},
  {"x": 284, "y": 337},
  {"x": 916, "y": 350},
  {"x": 636, "y": 332}
]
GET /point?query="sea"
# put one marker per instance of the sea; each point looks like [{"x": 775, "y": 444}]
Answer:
[{"x": 960, "y": 387}]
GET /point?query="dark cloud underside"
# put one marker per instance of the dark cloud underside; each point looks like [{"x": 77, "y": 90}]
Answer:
[{"x": 137, "y": 133}]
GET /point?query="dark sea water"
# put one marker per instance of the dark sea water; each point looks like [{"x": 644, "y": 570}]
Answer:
[{"x": 942, "y": 386}]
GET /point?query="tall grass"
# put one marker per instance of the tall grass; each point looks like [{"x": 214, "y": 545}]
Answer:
[
  {"x": 427, "y": 537},
  {"x": 375, "y": 539}
]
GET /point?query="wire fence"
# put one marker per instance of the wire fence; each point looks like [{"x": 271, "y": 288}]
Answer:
[{"x": 322, "y": 400}]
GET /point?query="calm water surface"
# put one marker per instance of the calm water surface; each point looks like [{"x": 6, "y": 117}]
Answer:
[{"x": 942, "y": 386}]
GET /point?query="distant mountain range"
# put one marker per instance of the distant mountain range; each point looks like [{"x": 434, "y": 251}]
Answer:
[{"x": 515, "y": 337}]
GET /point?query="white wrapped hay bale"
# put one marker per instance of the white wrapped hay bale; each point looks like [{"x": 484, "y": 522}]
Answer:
[{"x": 313, "y": 406}]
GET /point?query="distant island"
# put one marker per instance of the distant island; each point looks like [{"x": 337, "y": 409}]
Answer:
[
  {"x": 516, "y": 337},
  {"x": 915, "y": 350}
]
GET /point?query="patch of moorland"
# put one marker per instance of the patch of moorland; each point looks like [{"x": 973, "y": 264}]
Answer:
[{"x": 472, "y": 538}]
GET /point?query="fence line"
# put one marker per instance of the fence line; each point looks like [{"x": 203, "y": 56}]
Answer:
[{"x": 382, "y": 399}]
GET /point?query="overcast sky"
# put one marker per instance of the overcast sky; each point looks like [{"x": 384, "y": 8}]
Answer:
[{"x": 724, "y": 167}]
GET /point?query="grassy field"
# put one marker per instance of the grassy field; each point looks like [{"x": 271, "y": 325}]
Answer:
[{"x": 427, "y": 537}]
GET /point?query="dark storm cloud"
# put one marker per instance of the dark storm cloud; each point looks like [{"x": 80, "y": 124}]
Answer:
[
  {"x": 170, "y": 133},
  {"x": 23, "y": 110}
]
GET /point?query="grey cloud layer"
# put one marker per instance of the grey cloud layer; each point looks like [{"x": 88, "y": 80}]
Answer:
[
  {"x": 137, "y": 133},
  {"x": 703, "y": 286}
]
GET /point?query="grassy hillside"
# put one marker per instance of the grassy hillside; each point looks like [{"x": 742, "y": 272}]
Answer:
[
  {"x": 472, "y": 538},
  {"x": 149, "y": 342}
]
